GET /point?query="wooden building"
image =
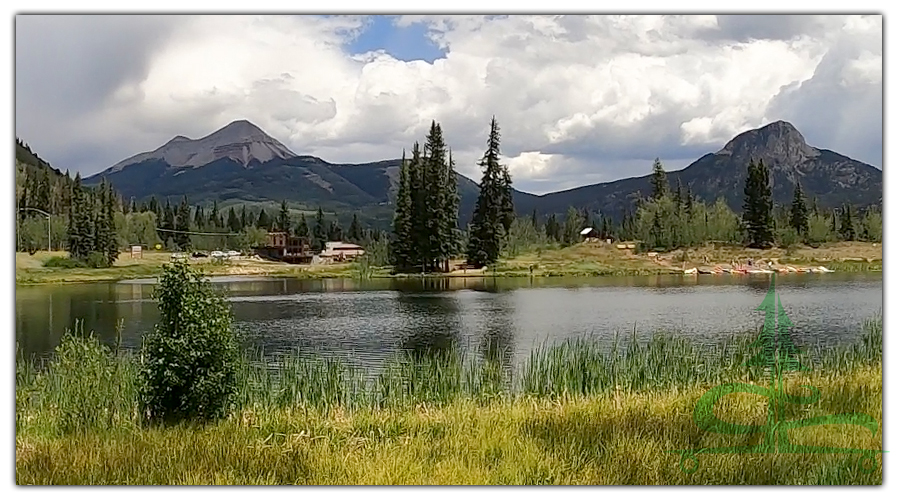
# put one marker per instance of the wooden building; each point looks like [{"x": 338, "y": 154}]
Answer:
[{"x": 284, "y": 247}]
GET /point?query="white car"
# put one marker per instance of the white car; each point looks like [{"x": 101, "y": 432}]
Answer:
[
  {"x": 217, "y": 254},
  {"x": 234, "y": 253}
]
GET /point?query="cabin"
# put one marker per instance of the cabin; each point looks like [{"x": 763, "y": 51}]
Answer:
[
  {"x": 286, "y": 248},
  {"x": 590, "y": 234},
  {"x": 339, "y": 251}
]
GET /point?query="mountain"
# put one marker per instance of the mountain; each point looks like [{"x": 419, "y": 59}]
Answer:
[
  {"x": 240, "y": 141},
  {"x": 831, "y": 178},
  {"x": 242, "y": 164}
]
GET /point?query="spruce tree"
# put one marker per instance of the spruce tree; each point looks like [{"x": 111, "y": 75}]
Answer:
[
  {"x": 102, "y": 232},
  {"x": 245, "y": 221},
  {"x": 234, "y": 224},
  {"x": 534, "y": 219},
  {"x": 80, "y": 237},
  {"x": 355, "y": 232},
  {"x": 215, "y": 221},
  {"x": 757, "y": 216},
  {"x": 434, "y": 196},
  {"x": 302, "y": 229},
  {"x": 659, "y": 181},
  {"x": 153, "y": 206},
  {"x": 418, "y": 236},
  {"x": 335, "y": 232},
  {"x": 182, "y": 224},
  {"x": 199, "y": 218},
  {"x": 450, "y": 215},
  {"x": 401, "y": 242},
  {"x": 283, "y": 221},
  {"x": 848, "y": 231},
  {"x": 551, "y": 227},
  {"x": 679, "y": 195},
  {"x": 487, "y": 228},
  {"x": 507, "y": 209},
  {"x": 262, "y": 221},
  {"x": 799, "y": 213},
  {"x": 319, "y": 231}
]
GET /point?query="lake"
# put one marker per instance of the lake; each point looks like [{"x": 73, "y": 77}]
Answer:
[{"x": 367, "y": 322}]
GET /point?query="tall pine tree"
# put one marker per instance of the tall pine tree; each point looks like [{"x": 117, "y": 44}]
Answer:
[
  {"x": 658, "y": 180},
  {"x": 488, "y": 219},
  {"x": 401, "y": 242},
  {"x": 80, "y": 237},
  {"x": 283, "y": 221},
  {"x": 757, "y": 216},
  {"x": 182, "y": 225},
  {"x": 799, "y": 212},
  {"x": 320, "y": 233},
  {"x": 354, "y": 234},
  {"x": 848, "y": 231}
]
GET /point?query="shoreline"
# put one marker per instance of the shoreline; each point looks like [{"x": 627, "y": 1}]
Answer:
[{"x": 581, "y": 260}]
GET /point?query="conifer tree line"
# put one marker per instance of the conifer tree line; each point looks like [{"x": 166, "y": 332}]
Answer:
[
  {"x": 93, "y": 222},
  {"x": 426, "y": 231},
  {"x": 670, "y": 219},
  {"x": 674, "y": 218}
]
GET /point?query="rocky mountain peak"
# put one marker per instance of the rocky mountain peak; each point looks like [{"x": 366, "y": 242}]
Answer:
[
  {"x": 778, "y": 144},
  {"x": 240, "y": 140}
]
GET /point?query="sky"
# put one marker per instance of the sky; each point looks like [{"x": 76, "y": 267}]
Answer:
[{"x": 579, "y": 99}]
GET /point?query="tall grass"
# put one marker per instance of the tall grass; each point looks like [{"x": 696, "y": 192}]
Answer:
[
  {"x": 86, "y": 384},
  {"x": 575, "y": 413}
]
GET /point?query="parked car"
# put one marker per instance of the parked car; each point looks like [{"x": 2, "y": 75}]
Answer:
[
  {"x": 217, "y": 254},
  {"x": 199, "y": 255},
  {"x": 234, "y": 253}
]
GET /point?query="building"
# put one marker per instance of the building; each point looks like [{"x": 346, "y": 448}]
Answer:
[
  {"x": 590, "y": 234},
  {"x": 287, "y": 248},
  {"x": 339, "y": 251}
]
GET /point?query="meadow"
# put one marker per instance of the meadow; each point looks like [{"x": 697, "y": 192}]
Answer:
[{"x": 573, "y": 413}]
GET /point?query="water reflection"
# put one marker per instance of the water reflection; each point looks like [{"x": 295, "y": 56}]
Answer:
[{"x": 366, "y": 323}]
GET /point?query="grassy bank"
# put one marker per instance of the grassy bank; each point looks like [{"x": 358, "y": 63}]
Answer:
[
  {"x": 575, "y": 413},
  {"x": 577, "y": 260},
  {"x": 599, "y": 259},
  {"x": 30, "y": 270}
]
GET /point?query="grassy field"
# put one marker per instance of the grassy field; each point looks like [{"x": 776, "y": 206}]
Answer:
[
  {"x": 598, "y": 259},
  {"x": 30, "y": 270},
  {"x": 575, "y": 414},
  {"x": 578, "y": 260}
]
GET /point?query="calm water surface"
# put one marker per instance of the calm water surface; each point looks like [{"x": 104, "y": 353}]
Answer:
[{"x": 365, "y": 323}]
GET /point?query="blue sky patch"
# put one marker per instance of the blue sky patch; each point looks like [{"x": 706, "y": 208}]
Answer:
[{"x": 407, "y": 43}]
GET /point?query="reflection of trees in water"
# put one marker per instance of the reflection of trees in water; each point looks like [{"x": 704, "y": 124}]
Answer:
[
  {"x": 498, "y": 330},
  {"x": 431, "y": 320}
]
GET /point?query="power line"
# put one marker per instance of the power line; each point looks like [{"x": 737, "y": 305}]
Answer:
[{"x": 199, "y": 234}]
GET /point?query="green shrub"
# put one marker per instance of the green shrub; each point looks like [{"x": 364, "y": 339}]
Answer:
[
  {"x": 190, "y": 360},
  {"x": 63, "y": 262}
]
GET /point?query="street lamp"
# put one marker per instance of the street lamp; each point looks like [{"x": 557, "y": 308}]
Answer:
[{"x": 48, "y": 222}]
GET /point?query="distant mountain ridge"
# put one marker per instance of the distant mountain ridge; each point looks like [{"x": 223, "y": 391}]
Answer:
[
  {"x": 240, "y": 162},
  {"x": 829, "y": 177}
]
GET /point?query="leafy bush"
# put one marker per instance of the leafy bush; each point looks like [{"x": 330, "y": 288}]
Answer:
[
  {"x": 190, "y": 360},
  {"x": 63, "y": 262}
]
